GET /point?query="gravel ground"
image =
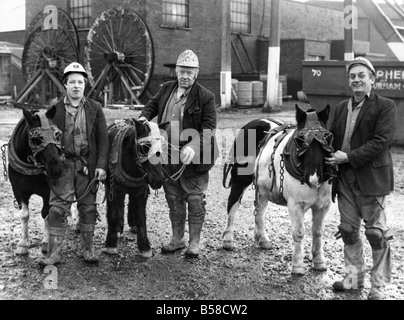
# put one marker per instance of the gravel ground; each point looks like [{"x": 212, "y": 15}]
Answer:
[{"x": 247, "y": 273}]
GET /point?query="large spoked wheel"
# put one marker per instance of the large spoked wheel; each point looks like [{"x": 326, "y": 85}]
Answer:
[
  {"x": 62, "y": 20},
  {"x": 46, "y": 53},
  {"x": 119, "y": 56}
]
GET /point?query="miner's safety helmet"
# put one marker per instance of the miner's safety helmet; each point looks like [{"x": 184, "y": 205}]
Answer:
[
  {"x": 74, "y": 67},
  {"x": 188, "y": 59},
  {"x": 361, "y": 61}
]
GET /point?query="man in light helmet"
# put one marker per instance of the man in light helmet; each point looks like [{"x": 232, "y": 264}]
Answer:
[
  {"x": 363, "y": 128},
  {"x": 85, "y": 144},
  {"x": 189, "y": 111}
]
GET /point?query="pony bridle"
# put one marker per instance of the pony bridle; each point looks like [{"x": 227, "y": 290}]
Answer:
[
  {"x": 313, "y": 131},
  {"x": 150, "y": 146},
  {"x": 40, "y": 137}
]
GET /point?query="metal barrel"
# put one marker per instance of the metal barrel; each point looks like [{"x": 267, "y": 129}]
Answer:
[{"x": 244, "y": 93}]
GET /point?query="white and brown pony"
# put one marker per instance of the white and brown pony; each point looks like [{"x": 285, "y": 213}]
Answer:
[{"x": 290, "y": 170}]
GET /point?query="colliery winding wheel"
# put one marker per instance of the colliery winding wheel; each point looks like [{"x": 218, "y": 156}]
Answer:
[
  {"x": 51, "y": 44},
  {"x": 119, "y": 57}
]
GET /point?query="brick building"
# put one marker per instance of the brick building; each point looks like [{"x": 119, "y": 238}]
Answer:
[{"x": 308, "y": 32}]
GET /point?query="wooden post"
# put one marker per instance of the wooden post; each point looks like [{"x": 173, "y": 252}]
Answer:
[
  {"x": 225, "y": 74},
  {"x": 272, "y": 101}
]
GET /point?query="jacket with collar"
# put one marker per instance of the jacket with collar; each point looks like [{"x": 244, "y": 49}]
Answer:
[
  {"x": 97, "y": 131},
  {"x": 370, "y": 143},
  {"x": 199, "y": 114}
]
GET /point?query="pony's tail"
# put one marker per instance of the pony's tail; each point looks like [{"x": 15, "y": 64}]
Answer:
[{"x": 227, "y": 168}]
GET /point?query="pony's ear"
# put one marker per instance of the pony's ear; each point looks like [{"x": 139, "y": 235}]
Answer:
[
  {"x": 50, "y": 112},
  {"x": 300, "y": 115},
  {"x": 28, "y": 116},
  {"x": 140, "y": 127},
  {"x": 324, "y": 114},
  {"x": 164, "y": 125}
]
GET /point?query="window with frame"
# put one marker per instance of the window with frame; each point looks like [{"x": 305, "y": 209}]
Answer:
[
  {"x": 176, "y": 13},
  {"x": 314, "y": 57},
  {"x": 241, "y": 16},
  {"x": 80, "y": 12}
]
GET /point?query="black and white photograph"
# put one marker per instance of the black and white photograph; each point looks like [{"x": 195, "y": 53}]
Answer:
[{"x": 202, "y": 157}]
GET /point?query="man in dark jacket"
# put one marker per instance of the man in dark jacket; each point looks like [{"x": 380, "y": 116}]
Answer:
[
  {"x": 85, "y": 144},
  {"x": 189, "y": 111},
  {"x": 363, "y": 129}
]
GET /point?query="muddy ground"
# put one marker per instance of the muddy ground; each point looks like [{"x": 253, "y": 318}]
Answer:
[{"x": 247, "y": 273}]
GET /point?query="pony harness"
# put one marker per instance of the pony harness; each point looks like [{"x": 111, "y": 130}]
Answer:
[{"x": 39, "y": 138}]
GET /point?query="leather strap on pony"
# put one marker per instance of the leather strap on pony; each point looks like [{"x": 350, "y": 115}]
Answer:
[
  {"x": 39, "y": 138},
  {"x": 115, "y": 159},
  {"x": 301, "y": 141},
  {"x": 284, "y": 129},
  {"x": 16, "y": 163}
]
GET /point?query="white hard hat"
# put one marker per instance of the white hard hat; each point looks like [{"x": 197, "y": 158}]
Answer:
[
  {"x": 188, "y": 59},
  {"x": 75, "y": 67},
  {"x": 362, "y": 61}
]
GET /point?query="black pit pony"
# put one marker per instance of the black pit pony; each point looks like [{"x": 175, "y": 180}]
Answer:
[
  {"x": 290, "y": 170},
  {"x": 133, "y": 166},
  {"x": 34, "y": 151}
]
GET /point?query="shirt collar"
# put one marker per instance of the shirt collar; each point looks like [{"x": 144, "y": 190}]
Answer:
[
  {"x": 366, "y": 96},
  {"x": 186, "y": 92},
  {"x": 66, "y": 101}
]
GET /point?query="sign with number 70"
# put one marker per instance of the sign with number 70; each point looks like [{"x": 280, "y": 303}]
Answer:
[{"x": 316, "y": 73}]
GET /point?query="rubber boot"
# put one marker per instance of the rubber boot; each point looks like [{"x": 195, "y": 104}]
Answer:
[
  {"x": 177, "y": 241},
  {"x": 355, "y": 268},
  {"x": 56, "y": 237},
  {"x": 380, "y": 272},
  {"x": 86, "y": 236},
  {"x": 192, "y": 250}
]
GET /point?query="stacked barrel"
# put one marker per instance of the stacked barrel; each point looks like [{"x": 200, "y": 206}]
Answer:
[{"x": 248, "y": 93}]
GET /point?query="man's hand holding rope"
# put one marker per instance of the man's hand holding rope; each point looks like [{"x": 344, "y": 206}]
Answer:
[
  {"x": 100, "y": 174},
  {"x": 187, "y": 154}
]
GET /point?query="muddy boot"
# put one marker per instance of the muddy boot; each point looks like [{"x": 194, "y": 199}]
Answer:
[
  {"x": 380, "y": 274},
  {"x": 177, "y": 240},
  {"x": 86, "y": 236},
  {"x": 192, "y": 250},
  {"x": 133, "y": 229},
  {"x": 56, "y": 237},
  {"x": 355, "y": 268}
]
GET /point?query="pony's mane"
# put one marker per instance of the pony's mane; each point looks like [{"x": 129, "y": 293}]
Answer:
[
  {"x": 20, "y": 140},
  {"x": 129, "y": 144}
]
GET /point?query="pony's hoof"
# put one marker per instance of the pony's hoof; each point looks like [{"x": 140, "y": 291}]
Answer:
[
  {"x": 20, "y": 251},
  {"x": 44, "y": 248},
  {"x": 228, "y": 245},
  {"x": 89, "y": 257},
  {"x": 133, "y": 229},
  {"x": 298, "y": 270},
  {"x": 111, "y": 251},
  {"x": 173, "y": 247},
  {"x": 264, "y": 244},
  {"x": 77, "y": 228},
  {"x": 191, "y": 253},
  {"x": 147, "y": 254},
  {"x": 320, "y": 266}
]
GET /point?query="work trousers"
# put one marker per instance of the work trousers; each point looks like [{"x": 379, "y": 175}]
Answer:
[
  {"x": 72, "y": 184},
  {"x": 187, "y": 190},
  {"x": 354, "y": 207}
]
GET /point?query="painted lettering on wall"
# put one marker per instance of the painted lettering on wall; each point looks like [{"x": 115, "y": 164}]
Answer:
[{"x": 389, "y": 79}]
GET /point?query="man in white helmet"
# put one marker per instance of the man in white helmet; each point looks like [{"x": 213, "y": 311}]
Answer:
[
  {"x": 189, "y": 111},
  {"x": 363, "y": 128},
  {"x": 85, "y": 144}
]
